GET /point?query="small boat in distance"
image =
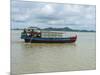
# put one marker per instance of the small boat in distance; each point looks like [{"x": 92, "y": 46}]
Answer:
[{"x": 36, "y": 35}]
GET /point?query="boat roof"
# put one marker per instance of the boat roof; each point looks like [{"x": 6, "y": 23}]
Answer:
[{"x": 33, "y": 28}]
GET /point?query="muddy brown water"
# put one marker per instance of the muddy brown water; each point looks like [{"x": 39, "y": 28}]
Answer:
[{"x": 29, "y": 58}]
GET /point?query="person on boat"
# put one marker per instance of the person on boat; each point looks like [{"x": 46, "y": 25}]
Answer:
[
  {"x": 24, "y": 32},
  {"x": 30, "y": 33}
]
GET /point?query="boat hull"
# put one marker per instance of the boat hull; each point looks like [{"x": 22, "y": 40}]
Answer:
[{"x": 51, "y": 40}]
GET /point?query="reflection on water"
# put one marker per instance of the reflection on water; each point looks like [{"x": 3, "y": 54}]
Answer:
[
  {"x": 40, "y": 45},
  {"x": 51, "y": 57}
]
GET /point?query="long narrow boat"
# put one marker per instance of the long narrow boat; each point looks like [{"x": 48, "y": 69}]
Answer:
[{"x": 34, "y": 36}]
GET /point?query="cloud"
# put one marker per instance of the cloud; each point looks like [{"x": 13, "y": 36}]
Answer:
[
  {"x": 47, "y": 10},
  {"x": 52, "y": 15}
]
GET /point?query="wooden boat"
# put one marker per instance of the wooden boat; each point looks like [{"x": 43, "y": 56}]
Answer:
[{"x": 35, "y": 36}]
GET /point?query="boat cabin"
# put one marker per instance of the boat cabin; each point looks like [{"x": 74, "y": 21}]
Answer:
[{"x": 32, "y": 32}]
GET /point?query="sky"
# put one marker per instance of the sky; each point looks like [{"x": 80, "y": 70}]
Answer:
[{"x": 58, "y": 15}]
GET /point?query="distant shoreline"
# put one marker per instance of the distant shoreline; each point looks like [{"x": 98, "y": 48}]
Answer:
[
  {"x": 55, "y": 30},
  {"x": 60, "y": 29},
  {"x": 68, "y": 29}
]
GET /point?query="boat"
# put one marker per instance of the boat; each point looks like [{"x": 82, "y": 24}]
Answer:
[{"x": 35, "y": 35}]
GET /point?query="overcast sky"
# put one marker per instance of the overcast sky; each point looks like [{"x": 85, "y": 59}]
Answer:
[{"x": 25, "y": 14}]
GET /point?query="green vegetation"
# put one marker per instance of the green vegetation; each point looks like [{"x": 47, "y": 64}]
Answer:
[{"x": 60, "y": 29}]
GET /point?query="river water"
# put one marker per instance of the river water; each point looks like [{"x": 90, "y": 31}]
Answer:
[{"x": 27, "y": 58}]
